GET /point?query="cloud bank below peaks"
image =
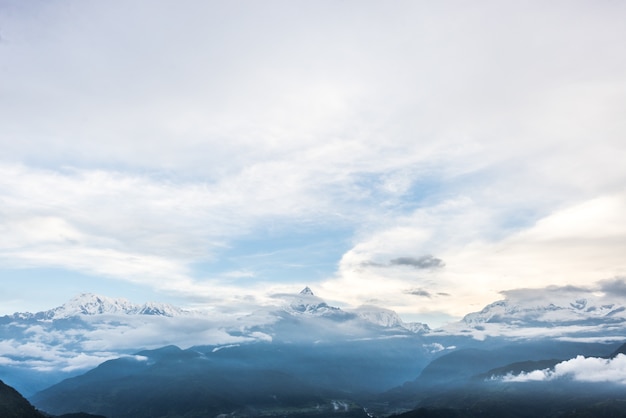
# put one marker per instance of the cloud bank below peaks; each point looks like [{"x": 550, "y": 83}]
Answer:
[{"x": 579, "y": 369}]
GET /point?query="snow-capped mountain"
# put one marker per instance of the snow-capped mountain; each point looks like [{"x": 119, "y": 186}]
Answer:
[
  {"x": 89, "y": 329},
  {"x": 570, "y": 314},
  {"x": 306, "y": 303},
  {"x": 307, "y": 291},
  {"x": 379, "y": 316},
  {"x": 388, "y": 318},
  {"x": 90, "y": 304},
  {"x": 578, "y": 311}
]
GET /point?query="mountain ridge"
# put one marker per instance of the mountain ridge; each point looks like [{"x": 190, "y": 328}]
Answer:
[
  {"x": 90, "y": 329},
  {"x": 13, "y": 404},
  {"x": 92, "y": 304}
]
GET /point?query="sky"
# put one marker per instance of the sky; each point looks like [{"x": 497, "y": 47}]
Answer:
[{"x": 426, "y": 157}]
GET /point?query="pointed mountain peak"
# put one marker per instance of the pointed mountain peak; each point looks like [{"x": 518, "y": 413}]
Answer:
[
  {"x": 307, "y": 291},
  {"x": 306, "y": 303}
]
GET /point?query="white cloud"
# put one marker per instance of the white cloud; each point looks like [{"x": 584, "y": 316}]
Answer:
[
  {"x": 578, "y": 245},
  {"x": 581, "y": 369},
  {"x": 46, "y": 356},
  {"x": 49, "y": 347},
  {"x": 476, "y": 134},
  {"x": 153, "y": 332},
  {"x": 84, "y": 361}
]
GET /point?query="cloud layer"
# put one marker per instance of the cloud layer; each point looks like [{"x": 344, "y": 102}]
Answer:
[
  {"x": 168, "y": 147},
  {"x": 579, "y": 369}
]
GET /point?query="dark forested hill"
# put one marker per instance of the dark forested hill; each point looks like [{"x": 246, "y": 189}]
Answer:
[
  {"x": 13, "y": 405},
  {"x": 174, "y": 382}
]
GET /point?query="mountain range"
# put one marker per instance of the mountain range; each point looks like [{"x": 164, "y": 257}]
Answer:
[
  {"x": 38, "y": 349},
  {"x": 304, "y": 357},
  {"x": 90, "y": 304},
  {"x": 566, "y": 313}
]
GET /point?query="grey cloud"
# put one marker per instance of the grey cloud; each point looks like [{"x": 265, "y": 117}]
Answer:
[
  {"x": 423, "y": 262},
  {"x": 419, "y": 292},
  {"x": 529, "y": 293},
  {"x": 424, "y": 293},
  {"x": 615, "y": 286}
]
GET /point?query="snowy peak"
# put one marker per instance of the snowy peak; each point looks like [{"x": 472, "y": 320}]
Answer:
[
  {"x": 89, "y": 304},
  {"x": 566, "y": 312},
  {"x": 388, "y": 319},
  {"x": 159, "y": 309},
  {"x": 306, "y": 303},
  {"x": 524, "y": 313},
  {"x": 307, "y": 291},
  {"x": 379, "y": 316}
]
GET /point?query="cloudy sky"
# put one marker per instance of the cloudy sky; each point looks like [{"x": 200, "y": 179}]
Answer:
[{"x": 421, "y": 156}]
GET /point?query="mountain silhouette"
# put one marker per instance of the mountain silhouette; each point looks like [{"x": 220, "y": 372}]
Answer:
[{"x": 14, "y": 405}]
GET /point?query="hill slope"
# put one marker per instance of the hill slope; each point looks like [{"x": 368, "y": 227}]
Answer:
[
  {"x": 204, "y": 381},
  {"x": 13, "y": 405}
]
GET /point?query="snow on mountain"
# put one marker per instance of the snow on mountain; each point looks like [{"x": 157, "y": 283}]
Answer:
[
  {"x": 416, "y": 327},
  {"x": 379, "y": 316},
  {"x": 90, "y": 329},
  {"x": 570, "y": 315},
  {"x": 159, "y": 309},
  {"x": 307, "y": 291},
  {"x": 88, "y": 304},
  {"x": 529, "y": 314},
  {"x": 306, "y": 303},
  {"x": 387, "y": 318}
]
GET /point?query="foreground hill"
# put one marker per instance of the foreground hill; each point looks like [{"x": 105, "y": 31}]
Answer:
[{"x": 13, "y": 405}]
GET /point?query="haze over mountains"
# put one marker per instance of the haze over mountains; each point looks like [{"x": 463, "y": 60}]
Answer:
[
  {"x": 45, "y": 346},
  {"x": 312, "y": 353}
]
